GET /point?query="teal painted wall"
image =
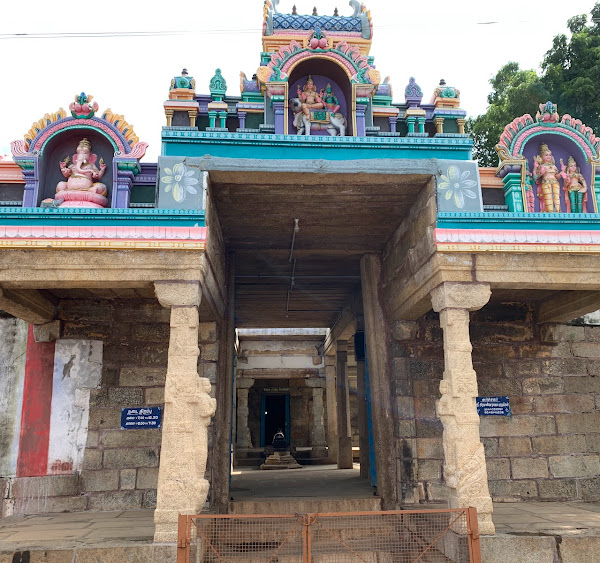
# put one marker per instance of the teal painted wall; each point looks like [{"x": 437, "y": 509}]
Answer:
[{"x": 293, "y": 147}]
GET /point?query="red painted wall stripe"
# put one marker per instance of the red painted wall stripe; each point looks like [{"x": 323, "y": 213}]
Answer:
[{"x": 32, "y": 460}]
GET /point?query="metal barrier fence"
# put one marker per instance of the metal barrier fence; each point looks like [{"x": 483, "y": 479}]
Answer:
[{"x": 398, "y": 536}]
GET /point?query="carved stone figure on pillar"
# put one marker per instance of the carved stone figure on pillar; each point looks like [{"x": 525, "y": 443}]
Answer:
[
  {"x": 575, "y": 186},
  {"x": 546, "y": 175},
  {"x": 82, "y": 187}
]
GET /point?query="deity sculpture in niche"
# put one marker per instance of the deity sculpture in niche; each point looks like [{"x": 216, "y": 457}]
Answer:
[
  {"x": 329, "y": 99},
  {"x": 546, "y": 175},
  {"x": 311, "y": 99},
  {"x": 529, "y": 150},
  {"x": 317, "y": 110},
  {"x": 82, "y": 187},
  {"x": 575, "y": 186}
]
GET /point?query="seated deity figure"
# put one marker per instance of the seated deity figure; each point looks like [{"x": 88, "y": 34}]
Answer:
[
  {"x": 82, "y": 187},
  {"x": 310, "y": 98},
  {"x": 546, "y": 175},
  {"x": 329, "y": 99},
  {"x": 575, "y": 186}
]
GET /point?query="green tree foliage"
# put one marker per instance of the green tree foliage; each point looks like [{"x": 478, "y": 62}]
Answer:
[
  {"x": 514, "y": 93},
  {"x": 572, "y": 70},
  {"x": 570, "y": 78}
]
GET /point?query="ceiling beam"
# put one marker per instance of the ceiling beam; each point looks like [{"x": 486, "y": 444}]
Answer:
[
  {"x": 27, "y": 304},
  {"x": 565, "y": 306},
  {"x": 342, "y": 330}
]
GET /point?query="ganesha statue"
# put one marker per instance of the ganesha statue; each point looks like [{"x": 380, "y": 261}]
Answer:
[{"x": 82, "y": 187}]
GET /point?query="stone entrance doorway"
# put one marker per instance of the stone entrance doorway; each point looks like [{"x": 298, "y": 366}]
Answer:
[{"x": 275, "y": 417}]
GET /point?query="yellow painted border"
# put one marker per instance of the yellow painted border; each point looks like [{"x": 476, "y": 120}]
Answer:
[
  {"x": 83, "y": 244},
  {"x": 537, "y": 248}
]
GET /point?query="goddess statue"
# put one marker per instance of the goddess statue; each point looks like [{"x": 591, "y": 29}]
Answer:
[
  {"x": 575, "y": 186},
  {"x": 546, "y": 175},
  {"x": 310, "y": 98},
  {"x": 82, "y": 187},
  {"x": 329, "y": 99}
]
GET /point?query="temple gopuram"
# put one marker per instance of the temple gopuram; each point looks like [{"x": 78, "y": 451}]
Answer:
[{"x": 315, "y": 279}]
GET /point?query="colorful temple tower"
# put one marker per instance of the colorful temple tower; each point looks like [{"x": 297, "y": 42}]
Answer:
[{"x": 310, "y": 247}]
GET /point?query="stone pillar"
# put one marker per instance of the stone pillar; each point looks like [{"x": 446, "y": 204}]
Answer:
[
  {"x": 361, "y": 124},
  {"x": 330, "y": 394},
  {"x": 410, "y": 123},
  {"x": 317, "y": 435},
  {"x": 379, "y": 364},
  {"x": 344, "y": 460},
  {"x": 169, "y": 115},
  {"x": 465, "y": 471},
  {"x": 122, "y": 187},
  {"x": 223, "y": 119},
  {"x": 212, "y": 118},
  {"x": 182, "y": 488},
  {"x": 361, "y": 391},
  {"x": 192, "y": 114},
  {"x": 242, "y": 118},
  {"x": 279, "y": 110},
  {"x": 222, "y": 458},
  {"x": 439, "y": 124},
  {"x": 29, "y": 168},
  {"x": 513, "y": 192},
  {"x": 393, "y": 121},
  {"x": 461, "y": 125},
  {"x": 421, "y": 124},
  {"x": 243, "y": 439}
]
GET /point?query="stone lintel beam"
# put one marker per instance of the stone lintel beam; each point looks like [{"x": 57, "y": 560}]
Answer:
[
  {"x": 27, "y": 304},
  {"x": 343, "y": 329},
  {"x": 465, "y": 470},
  {"x": 284, "y": 373},
  {"x": 408, "y": 296},
  {"x": 40, "y": 269},
  {"x": 565, "y": 306}
]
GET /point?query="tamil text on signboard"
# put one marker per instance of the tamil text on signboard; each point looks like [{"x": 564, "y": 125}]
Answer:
[
  {"x": 141, "y": 417},
  {"x": 493, "y": 406}
]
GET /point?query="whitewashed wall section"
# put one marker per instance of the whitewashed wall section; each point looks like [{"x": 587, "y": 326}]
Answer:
[
  {"x": 13, "y": 350},
  {"x": 77, "y": 369}
]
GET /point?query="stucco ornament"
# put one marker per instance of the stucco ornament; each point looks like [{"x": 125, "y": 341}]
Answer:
[
  {"x": 457, "y": 186},
  {"x": 179, "y": 181}
]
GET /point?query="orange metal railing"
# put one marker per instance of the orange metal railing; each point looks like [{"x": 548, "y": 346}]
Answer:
[{"x": 426, "y": 536}]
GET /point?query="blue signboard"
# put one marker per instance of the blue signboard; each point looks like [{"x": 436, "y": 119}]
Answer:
[
  {"x": 141, "y": 417},
  {"x": 493, "y": 406}
]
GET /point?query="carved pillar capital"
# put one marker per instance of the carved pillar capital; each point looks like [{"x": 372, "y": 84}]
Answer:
[
  {"x": 469, "y": 296},
  {"x": 178, "y": 294}
]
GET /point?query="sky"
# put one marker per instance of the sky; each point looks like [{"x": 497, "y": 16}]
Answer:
[{"x": 145, "y": 43}]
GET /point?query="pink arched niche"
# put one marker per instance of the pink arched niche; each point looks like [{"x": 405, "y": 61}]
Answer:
[
  {"x": 65, "y": 144},
  {"x": 323, "y": 71}
]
